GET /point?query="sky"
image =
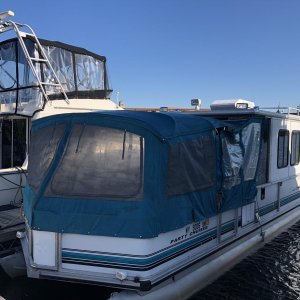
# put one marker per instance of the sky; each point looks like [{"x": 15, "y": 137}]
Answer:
[{"x": 167, "y": 52}]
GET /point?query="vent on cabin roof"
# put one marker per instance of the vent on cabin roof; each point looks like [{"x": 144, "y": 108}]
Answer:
[{"x": 232, "y": 104}]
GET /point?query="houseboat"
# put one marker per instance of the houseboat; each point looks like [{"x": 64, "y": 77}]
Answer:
[
  {"x": 157, "y": 204},
  {"x": 40, "y": 78}
]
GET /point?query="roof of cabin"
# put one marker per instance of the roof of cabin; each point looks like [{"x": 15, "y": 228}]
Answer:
[
  {"x": 164, "y": 125},
  {"x": 57, "y": 44}
]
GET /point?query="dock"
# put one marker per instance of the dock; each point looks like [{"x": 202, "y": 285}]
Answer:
[{"x": 11, "y": 220}]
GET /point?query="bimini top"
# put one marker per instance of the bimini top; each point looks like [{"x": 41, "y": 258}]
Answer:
[
  {"x": 82, "y": 75},
  {"x": 137, "y": 174}
]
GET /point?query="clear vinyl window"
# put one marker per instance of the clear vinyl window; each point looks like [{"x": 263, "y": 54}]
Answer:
[{"x": 90, "y": 73}]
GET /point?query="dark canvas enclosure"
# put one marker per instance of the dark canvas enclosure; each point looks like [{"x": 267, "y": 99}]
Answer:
[
  {"x": 100, "y": 162},
  {"x": 137, "y": 174}
]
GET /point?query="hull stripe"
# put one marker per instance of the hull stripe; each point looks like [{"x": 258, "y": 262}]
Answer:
[{"x": 146, "y": 262}]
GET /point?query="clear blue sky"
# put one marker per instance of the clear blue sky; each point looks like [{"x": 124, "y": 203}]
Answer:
[{"x": 166, "y": 52}]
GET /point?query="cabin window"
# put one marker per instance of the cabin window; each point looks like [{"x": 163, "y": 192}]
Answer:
[
  {"x": 283, "y": 148},
  {"x": 295, "y": 151},
  {"x": 13, "y": 142},
  {"x": 263, "y": 162},
  {"x": 43, "y": 146},
  {"x": 192, "y": 165},
  {"x": 100, "y": 162},
  {"x": 232, "y": 159}
]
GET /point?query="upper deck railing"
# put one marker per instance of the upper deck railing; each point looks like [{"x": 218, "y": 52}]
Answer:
[{"x": 282, "y": 110}]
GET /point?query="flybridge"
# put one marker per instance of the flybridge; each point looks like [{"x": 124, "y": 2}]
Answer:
[{"x": 35, "y": 71}]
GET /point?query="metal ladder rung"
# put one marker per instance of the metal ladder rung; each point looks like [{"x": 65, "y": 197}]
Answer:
[
  {"x": 49, "y": 83},
  {"x": 38, "y": 59},
  {"x": 24, "y": 34},
  {"x": 21, "y": 37}
]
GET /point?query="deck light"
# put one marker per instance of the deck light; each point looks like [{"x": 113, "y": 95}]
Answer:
[{"x": 196, "y": 103}]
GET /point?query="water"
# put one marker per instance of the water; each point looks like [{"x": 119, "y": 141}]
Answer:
[
  {"x": 273, "y": 272},
  {"x": 32, "y": 289}
]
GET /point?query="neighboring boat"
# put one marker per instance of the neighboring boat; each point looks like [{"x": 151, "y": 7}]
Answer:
[
  {"x": 40, "y": 78},
  {"x": 157, "y": 204}
]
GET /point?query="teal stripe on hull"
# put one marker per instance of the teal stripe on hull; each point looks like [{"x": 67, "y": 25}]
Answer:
[
  {"x": 273, "y": 206},
  {"x": 140, "y": 261},
  {"x": 69, "y": 256}
]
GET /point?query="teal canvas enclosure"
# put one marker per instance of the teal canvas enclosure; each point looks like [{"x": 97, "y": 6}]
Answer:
[{"x": 137, "y": 174}]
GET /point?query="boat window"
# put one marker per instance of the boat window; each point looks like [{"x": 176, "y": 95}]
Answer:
[
  {"x": 25, "y": 75},
  {"x": 263, "y": 163},
  {"x": 81, "y": 75},
  {"x": 192, "y": 165},
  {"x": 43, "y": 146},
  {"x": 251, "y": 143},
  {"x": 295, "y": 151},
  {"x": 62, "y": 63},
  {"x": 232, "y": 159},
  {"x": 19, "y": 91},
  {"x": 100, "y": 162},
  {"x": 90, "y": 73},
  {"x": 13, "y": 142},
  {"x": 8, "y": 78},
  {"x": 283, "y": 148}
]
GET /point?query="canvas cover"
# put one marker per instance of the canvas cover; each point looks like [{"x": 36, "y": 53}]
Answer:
[
  {"x": 137, "y": 174},
  {"x": 82, "y": 74}
]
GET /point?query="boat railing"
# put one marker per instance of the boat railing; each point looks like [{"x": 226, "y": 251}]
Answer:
[
  {"x": 34, "y": 71},
  {"x": 283, "y": 110},
  {"x": 32, "y": 61}
]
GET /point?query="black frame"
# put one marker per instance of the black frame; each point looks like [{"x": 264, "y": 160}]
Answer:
[
  {"x": 283, "y": 133},
  {"x": 297, "y": 154},
  {"x": 95, "y": 94}
]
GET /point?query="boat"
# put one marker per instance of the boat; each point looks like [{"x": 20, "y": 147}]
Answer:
[
  {"x": 39, "y": 78},
  {"x": 158, "y": 204}
]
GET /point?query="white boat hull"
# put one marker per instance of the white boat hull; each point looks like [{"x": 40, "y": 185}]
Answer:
[
  {"x": 178, "y": 278},
  {"x": 183, "y": 287}
]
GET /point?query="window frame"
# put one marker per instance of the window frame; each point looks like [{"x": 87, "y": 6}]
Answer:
[
  {"x": 297, "y": 161},
  {"x": 13, "y": 147},
  {"x": 285, "y": 148}
]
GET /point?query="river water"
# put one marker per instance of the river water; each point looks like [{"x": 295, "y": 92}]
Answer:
[{"x": 273, "y": 272}]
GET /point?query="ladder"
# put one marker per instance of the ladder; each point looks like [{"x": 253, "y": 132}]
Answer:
[{"x": 43, "y": 59}]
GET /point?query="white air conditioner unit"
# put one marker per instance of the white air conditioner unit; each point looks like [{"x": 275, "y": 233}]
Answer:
[{"x": 232, "y": 104}]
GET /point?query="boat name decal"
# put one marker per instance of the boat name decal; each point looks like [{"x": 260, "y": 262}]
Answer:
[{"x": 196, "y": 228}]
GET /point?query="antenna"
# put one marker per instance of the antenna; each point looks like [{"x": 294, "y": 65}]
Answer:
[{"x": 278, "y": 109}]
